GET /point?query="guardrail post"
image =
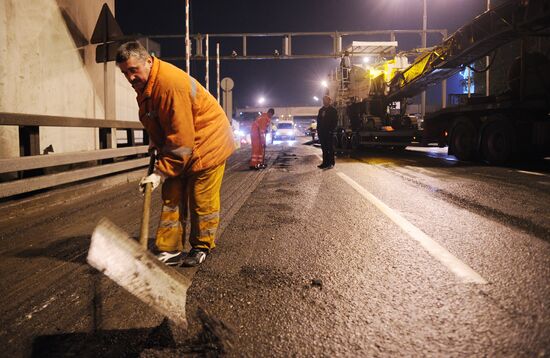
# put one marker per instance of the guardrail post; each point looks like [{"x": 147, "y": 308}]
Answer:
[
  {"x": 105, "y": 138},
  {"x": 130, "y": 138}
]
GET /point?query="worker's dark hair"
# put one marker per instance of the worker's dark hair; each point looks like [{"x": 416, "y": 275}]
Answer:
[
  {"x": 271, "y": 111},
  {"x": 131, "y": 49}
]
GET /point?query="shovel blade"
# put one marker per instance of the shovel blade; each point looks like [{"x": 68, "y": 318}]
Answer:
[{"x": 124, "y": 261}]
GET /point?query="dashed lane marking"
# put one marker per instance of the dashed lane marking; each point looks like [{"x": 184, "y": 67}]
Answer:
[
  {"x": 531, "y": 173},
  {"x": 453, "y": 264}
]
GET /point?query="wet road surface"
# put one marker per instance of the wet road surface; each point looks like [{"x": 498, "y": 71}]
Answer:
[{"x": 387, "y": 254}]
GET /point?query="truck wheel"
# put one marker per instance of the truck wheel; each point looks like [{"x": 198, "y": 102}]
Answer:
[
  {"x": 463, "y": 139},
  {"x": 355, "y": 141},
  {"x": 497, "y": 143},
  {"x": 345, "y": 141}
]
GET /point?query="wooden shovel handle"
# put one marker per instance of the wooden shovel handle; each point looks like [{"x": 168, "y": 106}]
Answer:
[{"x": 144, "y": 231}]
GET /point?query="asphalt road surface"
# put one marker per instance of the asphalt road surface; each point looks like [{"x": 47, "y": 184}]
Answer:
[{"x": 388, "y": 254}]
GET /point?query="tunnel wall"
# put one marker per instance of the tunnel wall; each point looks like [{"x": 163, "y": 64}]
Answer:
[{"x": 47, "y": 66}]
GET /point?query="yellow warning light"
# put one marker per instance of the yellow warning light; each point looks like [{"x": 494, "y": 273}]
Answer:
[
  {"x": 388, "y": 128},
  {"x": 373, "y": 73}
]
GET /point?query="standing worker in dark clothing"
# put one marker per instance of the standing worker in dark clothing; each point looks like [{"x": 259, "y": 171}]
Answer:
[{"x": 327, "y": 119}]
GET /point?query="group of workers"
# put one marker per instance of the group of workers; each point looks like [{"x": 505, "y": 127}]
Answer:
[
  {"x": 192, "y": 138},
  {"x": 327, "y": 119}
]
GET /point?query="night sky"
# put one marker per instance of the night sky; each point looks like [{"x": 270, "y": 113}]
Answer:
[{"x": 284, "y": 82}]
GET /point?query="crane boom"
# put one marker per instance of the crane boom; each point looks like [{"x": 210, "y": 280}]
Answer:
[{"x": 471, "y": 42}]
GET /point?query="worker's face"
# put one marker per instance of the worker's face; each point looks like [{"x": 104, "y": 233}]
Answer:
[
  {"x": 326, "y": 101},
  {"x": 136, "y": 71}
]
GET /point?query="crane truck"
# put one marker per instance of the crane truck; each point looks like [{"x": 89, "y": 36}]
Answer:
[{"x": 372, "y": 99}]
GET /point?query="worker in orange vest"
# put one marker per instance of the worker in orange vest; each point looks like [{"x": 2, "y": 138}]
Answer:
[
  {"x": 258, "y": 130},
  {"x": 193, "y": 138}
]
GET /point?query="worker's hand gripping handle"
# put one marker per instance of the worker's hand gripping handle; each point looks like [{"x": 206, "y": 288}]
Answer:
[{"x": 144, "y": 231}]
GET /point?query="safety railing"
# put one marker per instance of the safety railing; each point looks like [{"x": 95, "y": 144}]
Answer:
[{"x": 35, "y": 172}]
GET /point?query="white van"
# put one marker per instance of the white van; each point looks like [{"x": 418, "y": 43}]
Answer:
[{"x": 285, "y": 130}]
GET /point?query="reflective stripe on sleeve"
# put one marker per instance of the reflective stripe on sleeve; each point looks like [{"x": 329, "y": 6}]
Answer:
[
  {"x": 182, "y": 151},
  {"x": 193, "y": 85}
]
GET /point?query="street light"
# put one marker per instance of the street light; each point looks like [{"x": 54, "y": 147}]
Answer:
[
  {"x": 316, "y": 99},
  {"x": 324, "y": 84},
  {"x": 261, "y": 100}
]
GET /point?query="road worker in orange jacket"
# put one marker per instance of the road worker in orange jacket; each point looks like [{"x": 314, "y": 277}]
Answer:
[
  {"x": 193, "y": 138},
  {"x": 258, "y": 130}
]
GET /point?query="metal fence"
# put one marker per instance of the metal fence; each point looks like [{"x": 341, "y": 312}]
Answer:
[{"x": 30, "y": 173}]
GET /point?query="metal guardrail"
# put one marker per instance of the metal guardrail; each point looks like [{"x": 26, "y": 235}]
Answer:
[
  {"x": 21, "y": 164},
  {"x": 21, "y": 119}
]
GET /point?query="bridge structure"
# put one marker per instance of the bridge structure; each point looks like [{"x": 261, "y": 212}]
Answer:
[{"x": 286, "y": 112}]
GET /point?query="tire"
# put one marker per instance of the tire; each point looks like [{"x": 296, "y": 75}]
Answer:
[
  {"x": 346, "y": 142},
  {"x": 498, "y": 143},
  {"x": 464, "y": 138},
  {"x": 355, "y": 141}
]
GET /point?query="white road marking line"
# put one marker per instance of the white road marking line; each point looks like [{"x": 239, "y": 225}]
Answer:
[
  {"x": 459, "y": 268},
  {"x": 532, "y": 173}
]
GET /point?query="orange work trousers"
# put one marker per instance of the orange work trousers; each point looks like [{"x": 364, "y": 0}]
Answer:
[
  {"x": 258, "y": 147},
  {"x": 197, "y": 194}
]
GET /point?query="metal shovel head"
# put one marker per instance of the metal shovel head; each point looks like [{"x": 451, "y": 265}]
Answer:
[{"x": 135, "y": 269}]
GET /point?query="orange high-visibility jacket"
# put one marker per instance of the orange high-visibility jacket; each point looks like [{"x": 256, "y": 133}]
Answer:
[
  {"x": 184, "y": 121},
  {"x": 261, "y": 123}
]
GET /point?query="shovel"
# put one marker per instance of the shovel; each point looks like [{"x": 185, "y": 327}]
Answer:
[
  {"x": 131, "y": 266},
  {"x": 144, "y": 230}
]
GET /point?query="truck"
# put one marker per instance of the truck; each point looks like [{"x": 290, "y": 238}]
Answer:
[{"x": 372, "y": 99}]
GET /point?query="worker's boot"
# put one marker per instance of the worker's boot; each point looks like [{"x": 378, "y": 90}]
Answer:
[
  {"x": 194, "y": 258},
  {"x": 170, "y": 258}
]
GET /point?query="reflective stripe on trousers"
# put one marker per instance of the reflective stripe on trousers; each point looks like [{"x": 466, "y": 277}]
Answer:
[
  {"x": 197, "y": 194},
  {"x": 258, "y": 141}
]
